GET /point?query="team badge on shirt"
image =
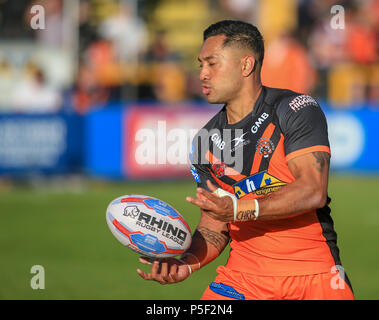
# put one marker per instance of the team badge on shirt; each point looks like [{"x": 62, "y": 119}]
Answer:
[
  {"x": 265, "y": 147},
  {"x": 219, "y": 169}
]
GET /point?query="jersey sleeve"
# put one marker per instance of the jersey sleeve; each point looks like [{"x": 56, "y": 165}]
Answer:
[
  {"x": 303, "y": 125},
  {"x": 199, "y": 165}
]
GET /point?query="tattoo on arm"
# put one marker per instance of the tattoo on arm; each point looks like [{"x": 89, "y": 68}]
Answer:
[
  {"x": 322, "y": 160},
  {"x": 245, "y": 215},
  {"x": 216, "y": 239}
]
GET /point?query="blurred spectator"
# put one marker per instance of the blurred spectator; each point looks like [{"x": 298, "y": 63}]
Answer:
[
  {"x": 240, "y": 9},
  {"x": 286, "y": 65},
  {"x": 118, "y": 62},
  {"x": 7, "y": 80},
  {"x": 371, "y": 13},
  {"x": 356, "y": 80},
  {"x": 87, "y": 91},
  {"x": 35, "y": 95},
  {"x": 170, "y": 82},
  {"x": 100, "y": 57},
  {"x": 11, "y": 28},
  {"x": 344, "y": 57},
  {"x": 159, "y": 49},
  {"x": 87, "y": 31},
  {"x": 373, "y": 94},
  {"x": 157, "y": 52},
  {"x": 326, "y": 48},
  {"x": 327, "y": 45},
  {"x": 276, "y": 17},
  {"x": 169, "y": 78},
  {"x": 306, "y": 20},
  {"x": 361, "y": 45},
  {"x": 346, "y": 84},
  {"x": 126, "y": 31}
]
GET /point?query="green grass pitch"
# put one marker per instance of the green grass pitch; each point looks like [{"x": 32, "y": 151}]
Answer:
[{"x": 65, "y": 232}]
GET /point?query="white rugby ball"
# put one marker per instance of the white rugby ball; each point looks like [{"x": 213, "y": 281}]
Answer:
[{"x": 148, "y": 226}]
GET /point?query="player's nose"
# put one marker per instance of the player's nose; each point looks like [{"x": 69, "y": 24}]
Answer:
[{"x": 204, "y": 74}]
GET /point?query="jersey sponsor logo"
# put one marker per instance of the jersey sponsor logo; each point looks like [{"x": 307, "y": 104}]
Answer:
[
  {"x": 245, "y": 142},
  {"x": 239, "y": 139},
  {"x": 240, "y": 142},
  {"x": 219, "y": 169},
  {"x": 260, "y": 183},
  {"x": 226, "y": 291},
  {"x": 302, "y": 101},
  {"x": 217, "y": 140},
  {"x": 265, "y": 147},
  {"x": 195, "y": 174},
  {"x": 258, "y": 123}
]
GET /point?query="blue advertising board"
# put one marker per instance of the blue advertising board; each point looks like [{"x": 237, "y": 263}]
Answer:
[
  {"x": 111, "y": 142},
  {"x": 354, "y": 139},
  {"x": 106, "y": 142},
  {"x": 44, "y": 143},
  {"x": 103, "y": 136}
]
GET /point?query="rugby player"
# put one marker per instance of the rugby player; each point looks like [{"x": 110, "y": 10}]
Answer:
[{"x": 261, "y": 165}]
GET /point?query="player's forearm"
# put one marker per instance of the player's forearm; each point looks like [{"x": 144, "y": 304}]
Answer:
[
  {"x": 291, "y": 200},
  {"x": 209, "y": 240},
  {"x": 307, "y": 192}
]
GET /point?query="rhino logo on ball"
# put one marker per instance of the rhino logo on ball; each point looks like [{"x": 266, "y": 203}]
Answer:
[{"x": 131, "y": 211}]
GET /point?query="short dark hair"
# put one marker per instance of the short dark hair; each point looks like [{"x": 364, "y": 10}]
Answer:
[{"x": 240, "y": 33}]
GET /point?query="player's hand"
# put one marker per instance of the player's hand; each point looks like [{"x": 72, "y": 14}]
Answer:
[
  {"x": 219, "y": 208},
  {"x": 165, "y": 270}
]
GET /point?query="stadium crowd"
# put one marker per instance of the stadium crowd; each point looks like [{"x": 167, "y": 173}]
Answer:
[{"x": 118, "y": 51}]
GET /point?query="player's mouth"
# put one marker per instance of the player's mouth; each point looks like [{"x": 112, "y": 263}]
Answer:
[{"x": 205, "y": 89}]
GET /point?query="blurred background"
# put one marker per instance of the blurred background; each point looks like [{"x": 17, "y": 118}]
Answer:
[{"x": 102, "y": 98}]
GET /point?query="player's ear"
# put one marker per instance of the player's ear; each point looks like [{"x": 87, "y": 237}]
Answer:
[{"x": 248, "y": 65}]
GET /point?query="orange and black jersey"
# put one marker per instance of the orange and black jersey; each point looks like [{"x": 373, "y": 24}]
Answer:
[{"x": 250, "y": 159}]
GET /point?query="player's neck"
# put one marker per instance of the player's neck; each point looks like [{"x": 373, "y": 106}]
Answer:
[{"x": 239, "y": 108}]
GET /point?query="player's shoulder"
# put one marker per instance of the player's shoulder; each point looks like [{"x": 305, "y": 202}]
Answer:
[{"x": 286, "y": 101}]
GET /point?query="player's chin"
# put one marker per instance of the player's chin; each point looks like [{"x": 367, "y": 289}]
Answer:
[{"x": 213, "y": 99}]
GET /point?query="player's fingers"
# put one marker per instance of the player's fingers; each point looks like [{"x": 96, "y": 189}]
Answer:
[
  {"x": 156, "y": 274},
  {"x": 193, "y": 200},
  {"x": 164, "y": 271},
  {"x": 210, "y": 196},
  {"x": 144, "y": 275},
  {"x": 200, "y": 196},
  {"x": 173, "y": 269},
  {"x": 146, "y": 260},
  {"x": 201, "y": 203},
  {"x": 173, "y": 275},
  {"x": 155, "y": 269}
]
